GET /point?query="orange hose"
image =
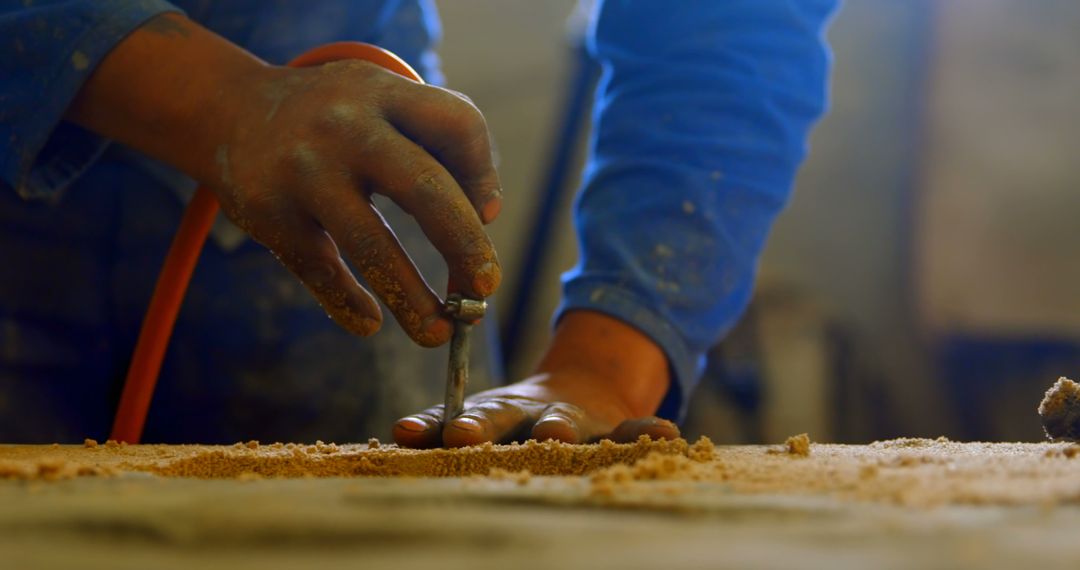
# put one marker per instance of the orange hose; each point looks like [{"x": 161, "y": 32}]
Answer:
[{"x": 183, "y": 254}]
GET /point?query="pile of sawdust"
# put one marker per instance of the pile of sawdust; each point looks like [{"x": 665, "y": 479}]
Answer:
[
  {"x": 252, "y": 460},
  {"x": 909, "y": 471},
  {"x": 696, "y": 465},
  {"x": 330, "y": 460}
]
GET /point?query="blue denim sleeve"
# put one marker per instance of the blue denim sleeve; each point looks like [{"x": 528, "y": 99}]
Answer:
[
  {"x": 700, "y": 122},
  {"x": 47, "y": 50}
]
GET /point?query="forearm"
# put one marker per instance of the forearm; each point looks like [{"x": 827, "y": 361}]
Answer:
[
  {"x": 703, "y": 114},
  {"x": 49, "y": 50},
  {"x": 168, "y": 90}
]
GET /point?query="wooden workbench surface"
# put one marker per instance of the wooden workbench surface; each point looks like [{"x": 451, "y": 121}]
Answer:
[{"x": 897, "y": 504}]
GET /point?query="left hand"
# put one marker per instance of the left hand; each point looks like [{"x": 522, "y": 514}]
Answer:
[{"x": 601, "y": 379}]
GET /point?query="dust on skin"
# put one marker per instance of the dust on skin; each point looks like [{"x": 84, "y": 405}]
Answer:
[
  {"x": 480, "y": 262},
  {"x": 380, "y": 260}
]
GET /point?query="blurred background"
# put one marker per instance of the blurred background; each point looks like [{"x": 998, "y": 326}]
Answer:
[{"x": 924, "y": 280}]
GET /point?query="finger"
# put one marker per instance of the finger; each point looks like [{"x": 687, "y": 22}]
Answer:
[
  {"x": 452, "y": 129},
  {"x": 374, "y": 250},
  {"x": 309, "y": 253},
  {"x": 496, "y": 419},
  {"x": 420, "y": 431},
  {"x": 654, "y": 427},
  {"x": 417, "y": 183},
  {"x": 562, "y": 422}
]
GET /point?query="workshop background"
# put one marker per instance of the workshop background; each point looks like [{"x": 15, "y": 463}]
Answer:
[{"x": 925, "y": 279}]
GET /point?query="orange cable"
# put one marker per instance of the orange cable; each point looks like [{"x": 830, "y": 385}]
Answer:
[{"x": 184, "y": 253}]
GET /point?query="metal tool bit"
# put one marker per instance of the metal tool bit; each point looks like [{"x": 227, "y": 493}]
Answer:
[{"x": 465, "y": 312}]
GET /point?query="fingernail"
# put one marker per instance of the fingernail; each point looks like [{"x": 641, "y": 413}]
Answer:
[
  {"x": 415, "y": 425},
  {"x": 491, "y": 207},
  {"x": 553, "y": 420},
  {"x": 487, "y": 278},
  {"x": 467, "y": 424},
  {"x": 369, "y": 326}
]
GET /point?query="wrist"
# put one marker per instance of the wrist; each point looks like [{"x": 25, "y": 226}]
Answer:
[
  {"x": 613, "y": 354},
  {"x": 171, "y": 89},
  {"x": 224, "y": 108},
  {"x": 224, "y": 121}
]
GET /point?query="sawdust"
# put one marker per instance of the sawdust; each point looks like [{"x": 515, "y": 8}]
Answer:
[
  {"x": 798, "y": 445},
  {"x": 51, "y": 469},
  {"x": 331, "y": 460},
  {"x": 1060, "y": 411},
  {"x": 291, "y": 460},
  {"x": 908, "y": 471}
]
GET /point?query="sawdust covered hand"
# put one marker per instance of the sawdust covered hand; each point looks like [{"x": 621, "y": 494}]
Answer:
[
  {"x": 301, "y": 165},
  {"x": 599, "y": 379},
  {"x": 295, "y": 155}
]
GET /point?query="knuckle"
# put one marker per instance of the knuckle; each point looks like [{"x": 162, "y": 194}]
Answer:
[
  {"x": 370, "y": 138},
  {"x": 477, "y": 250},
  {"x": 364, "y": 239},
  {"x": 565, "y": 410},
  {"x": 427, "y": 180},
  {"x": 470, "y": 124},
  {"x": 351, "y": 124},
  {"x": 498, "y": 404},
  {"x": 316, "y": 273},
  {"x": 365, "y": 68},
  {"x": 352, "y": 69},
  {"x": 459, "y": 95},
  {"x": 339, "y": 118},
  {"x": 462, "y": 116},
  {"x": 263, "y": 207},
  {"x": 300, "y": 161}
]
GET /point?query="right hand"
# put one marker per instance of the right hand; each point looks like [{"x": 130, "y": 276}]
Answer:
[
  {"x": 306, "y": 149},
  {"x": 294, "y": 155}
]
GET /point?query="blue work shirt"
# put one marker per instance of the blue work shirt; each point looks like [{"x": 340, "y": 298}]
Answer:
[{"x": 701, "y": 121}]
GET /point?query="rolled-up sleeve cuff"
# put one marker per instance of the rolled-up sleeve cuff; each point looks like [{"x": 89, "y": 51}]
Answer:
[
  {"x": 46, "y": 153},
  {"x": 619, "y": 302}
]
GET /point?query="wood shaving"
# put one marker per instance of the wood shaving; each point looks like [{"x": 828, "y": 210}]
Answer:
[
  {"x": 798, "y": 445},
  {"x": 1060, "y": 411}
]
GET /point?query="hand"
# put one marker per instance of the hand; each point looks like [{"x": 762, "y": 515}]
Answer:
[
  {"x": 301, "y": 164},
  {"x": 599, "y": 379},
  {"x": 294, "y": 156}
]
